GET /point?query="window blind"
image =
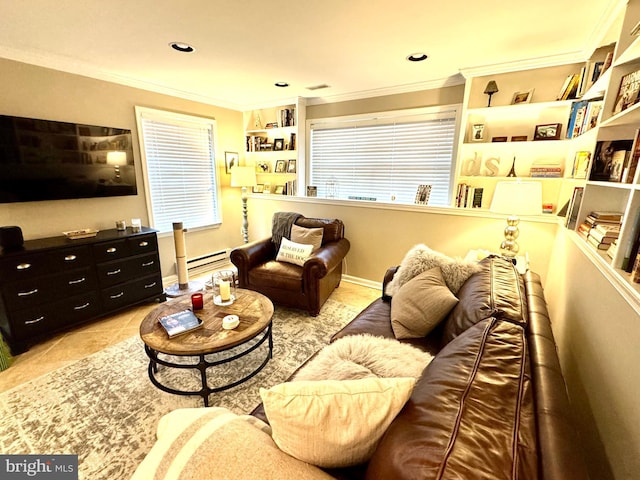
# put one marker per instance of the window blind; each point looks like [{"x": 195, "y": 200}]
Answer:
[
  {"x": 180, "y": 169},
  {"x": 384, "y": 159}
]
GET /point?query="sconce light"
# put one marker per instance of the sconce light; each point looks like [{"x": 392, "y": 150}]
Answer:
[
  {"x": 117, "y": 159},
  {"x": 490, "y": 89}
]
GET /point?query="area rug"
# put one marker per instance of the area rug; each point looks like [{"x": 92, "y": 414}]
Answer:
[{"x": 105, "y": 409}]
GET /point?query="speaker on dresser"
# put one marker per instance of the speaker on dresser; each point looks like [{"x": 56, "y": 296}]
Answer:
[{"x": 11, "y": 238}]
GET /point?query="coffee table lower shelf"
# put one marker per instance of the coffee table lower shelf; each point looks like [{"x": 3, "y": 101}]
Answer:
[{"x": 203, "y": 365}]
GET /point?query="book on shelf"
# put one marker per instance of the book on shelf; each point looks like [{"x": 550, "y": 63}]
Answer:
[
  {"x": 581, "y": 163},
  {"x": 584, "y": 229},
  {"x": 574, "y": 207},
  {"x": 468, "y": 196},
  {"x": 612, "y": 250},
  {"x": 180, "y": 323},
  {"x": 604, "y": 215},
  {"x": 618, "y": 163},
  {"x": 603, "y": 237},
  {"x": 629, "y": 173},
  {"x": 569, "y": 87},
  {"x": 627, "y": 92},
  {"x": 584, "y": 115},
  {"x": 598, "y": 244},
  {"x": 603, "y": 158},
  {"x": 287, "y": 117}
]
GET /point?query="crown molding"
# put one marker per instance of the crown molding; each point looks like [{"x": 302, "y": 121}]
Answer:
[{"x": 526, "y": 64}]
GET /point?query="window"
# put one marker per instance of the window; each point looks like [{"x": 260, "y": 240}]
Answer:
[
  {"x": 386, "y": 158},
  {"x": 179, "y": 166}
]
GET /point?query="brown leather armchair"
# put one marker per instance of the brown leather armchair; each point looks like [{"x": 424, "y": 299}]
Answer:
[{"x": 306, "y": 287}]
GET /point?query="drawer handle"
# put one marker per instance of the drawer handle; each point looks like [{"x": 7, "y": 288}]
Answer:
[
  {"x": 144, "y": 244},
  {"x": 80, "y": 280},
  {"x": 116, "y": 296},
  {"x": 70, "y": 258},
  {"x": 114, "y": 272},
  {"x": 31, "y": 322},
  {"x": 112, "y": 250},
  {"x": 82, "y": 307},
  {"x": 23, "y": 266},
  {"x": 26, "y": 294},
  {"x": 151, "y": 285},
  {"x": 148, "y": 264}
]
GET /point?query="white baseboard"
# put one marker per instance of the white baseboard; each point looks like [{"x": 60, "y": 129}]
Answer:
[{"x": 362, "y": 281}]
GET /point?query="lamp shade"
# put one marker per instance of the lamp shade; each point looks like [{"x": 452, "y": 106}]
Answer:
[
  {"x": 492, "y": 87},
  {"x": 117, "y": 158},
  {"x": 243, "y": 176},
  {"x": 517, "y": 198}
]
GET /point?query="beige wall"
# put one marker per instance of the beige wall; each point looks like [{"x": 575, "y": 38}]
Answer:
[{"x": 37, "y": 92}]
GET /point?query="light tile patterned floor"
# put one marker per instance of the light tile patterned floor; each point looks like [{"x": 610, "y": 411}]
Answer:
[{"x": 72, "y": 345}]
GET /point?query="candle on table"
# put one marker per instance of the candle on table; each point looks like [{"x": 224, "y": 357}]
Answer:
[
  {"x": 225, "y": 291},
  {"x": 197, "y": 301}
]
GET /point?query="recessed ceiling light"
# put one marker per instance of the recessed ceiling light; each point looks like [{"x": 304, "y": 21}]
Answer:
[
  {"x": 281, "y": 84},
  {"x": 417, "y": 57},
  {"x": 182, "y": 47}
]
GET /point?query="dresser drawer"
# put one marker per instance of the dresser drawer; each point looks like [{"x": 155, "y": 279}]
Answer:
[
  {"x": 143, "y": 244},
  {"x": 112, "y": 273},
  {"x": 114, "y": 250},
  {"x": 23, "y": 267},
  {"x": 130, "y": 292}
]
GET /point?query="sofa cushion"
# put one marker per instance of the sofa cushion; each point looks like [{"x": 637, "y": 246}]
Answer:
[
  {"x": 421, "y": 304},
  {"x": 307, "y": 236},
  {"x": 421, "y": 258},
  {"x": 292, "y": 252},
  {"x": 196, "y": 442},
  {"x": 497, "y": 290},
  {"x": 334, "y": 423},
  {"x": 361, "y": 356},
  {"x": 471, "y": 414}
]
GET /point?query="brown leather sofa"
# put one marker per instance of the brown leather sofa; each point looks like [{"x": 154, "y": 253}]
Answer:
[
  {"x": 306, "y": 287},
  {"x": 492, "y": 404}
]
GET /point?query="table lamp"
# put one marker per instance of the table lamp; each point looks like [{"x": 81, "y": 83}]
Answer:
[
  {"x": 117, "y": 159},
  {"x": 490, "y": 89},
  {"x": 243, "y": 177},
  {"x": 513, "y": 199}
]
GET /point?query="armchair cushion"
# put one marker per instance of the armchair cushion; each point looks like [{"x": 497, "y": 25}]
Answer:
[
  {"x": 307, "y": 236},
  {"x": 293, "y": 252}
]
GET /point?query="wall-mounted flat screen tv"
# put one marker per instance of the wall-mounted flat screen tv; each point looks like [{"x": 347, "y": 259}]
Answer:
[{"x": 50, "y": 160}]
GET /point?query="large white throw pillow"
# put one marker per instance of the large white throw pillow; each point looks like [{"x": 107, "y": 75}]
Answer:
[
  {"x": 334, "y": 423},
  {"x": 292, "y": 252},
  {"x": 307, "y": 236}
]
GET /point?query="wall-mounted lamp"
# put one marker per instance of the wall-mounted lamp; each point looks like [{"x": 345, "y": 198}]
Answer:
[{"x": 490, "y": 89}]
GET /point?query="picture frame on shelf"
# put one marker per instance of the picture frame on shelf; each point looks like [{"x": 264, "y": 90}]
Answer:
[
  {"x": 279, "y": 190},
  {"x": 291, "y": 166},
  {"x": 262, "y": 167},
  {"x": 281, "y": 166},
  {"x": 498, "y": 139},
  {"x": 477, "y": 132},
  {"x": 259, "y": 188},
  {"x": 271, "y": 125},
  {"x": 522, "y": 97},
  {"x": 312, "y": 191},
  {"x": 278, "y": 144},
  {"x": 548, "y": 131},
  {"x": 519, "y": 138},
  {"x": 422, "y": 194},
  {"x": 231, "y": 159},
  {"x": 267, "y": 187}
]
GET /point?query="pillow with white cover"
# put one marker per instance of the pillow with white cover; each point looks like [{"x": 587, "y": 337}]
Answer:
[
  {"x": 307, "y": 236},
  {"x": 214, "y": 442},
  {"x": 421, "y": 258},
  {"x": 421, "y": 304},
  {"x": 334, "y": 423},
  {"x": 292, "y": 252},
  {"x": 362, "y": 356}
]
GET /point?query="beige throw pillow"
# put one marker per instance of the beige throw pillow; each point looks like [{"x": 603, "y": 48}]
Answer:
[
  {"x": 421, "y": 304},
  {"x": 334, "y": 423},
  {"x": 307, "y": 236},
  {"x": 292, "y": 252}
]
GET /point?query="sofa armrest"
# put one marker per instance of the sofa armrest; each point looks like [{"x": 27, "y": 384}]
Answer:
[
  {"x": 325, "y": 259},
  {"x": 388, "y": 276},
  {"x": 248, "y": 256}
]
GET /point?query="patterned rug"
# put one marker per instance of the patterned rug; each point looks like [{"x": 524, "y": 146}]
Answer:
[{"x": 105, "y": 409}]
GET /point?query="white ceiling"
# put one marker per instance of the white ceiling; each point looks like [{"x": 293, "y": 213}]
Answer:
[{"x": 243, "y": 47}]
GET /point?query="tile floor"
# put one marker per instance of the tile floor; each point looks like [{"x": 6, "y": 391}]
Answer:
[{"x": 72, "y": 345}]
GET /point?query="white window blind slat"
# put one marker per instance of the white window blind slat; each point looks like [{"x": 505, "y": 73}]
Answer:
[
  {"x": 179, "y": 155},
  {"x": 384, "y": 158}
]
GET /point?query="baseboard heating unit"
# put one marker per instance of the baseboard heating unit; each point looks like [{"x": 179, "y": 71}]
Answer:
[{"x": 208, "y": 262}]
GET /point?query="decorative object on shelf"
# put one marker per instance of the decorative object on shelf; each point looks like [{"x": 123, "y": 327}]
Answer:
[
  {"x": 81, "y": 233},
  {"x": 257, "y": 121},
  {"x": 243, "y": 177},
  {"x": 519, "y": 138},
  {"x": 422, "y": 194},
  {"x": 267, "y": 187},
  {"x": 271, "y": 125},
  {"x": 184, "y": 286},
  {"x": 513, "y": 199},
  {"x": 230, "y": 161},
  {"x": 291, "y": 166},
  {"x": 259, "y": 188},
  {"x": 581, "y": 164},
  {"x": 498, "y": 139},
  {"x": 490, "y": 89},
  {"x": 628, "y": 92},
  {"x": 121, "y": 225},
  {"x": 548, "y": 131},
  {"x": 279, "y": 190},
  {"x": 136, "y": 225},
  {"x": 278, "y": 144},
  {"x": 522, "y": 97},
  {"x": 117, "y": 159},
  {"x": 262, "y": 167},
  {"x": 331, "y": 188},
  {"x": 312, "y": 191},
  {"x": 477, "y": 132},
  {"x": 512, "y": 172},
  {"x": 281, "y": 166},
  {"x": 603, "y": 158}
]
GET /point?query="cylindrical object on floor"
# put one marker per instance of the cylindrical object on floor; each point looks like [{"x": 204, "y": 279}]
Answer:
[{"x": 181, "y": 255}]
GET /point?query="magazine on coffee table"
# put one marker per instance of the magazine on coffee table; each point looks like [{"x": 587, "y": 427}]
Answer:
[{"x": 180, "y": 323}]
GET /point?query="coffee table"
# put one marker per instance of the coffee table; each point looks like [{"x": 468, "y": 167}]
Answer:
[{"x": 254, "y": 311}]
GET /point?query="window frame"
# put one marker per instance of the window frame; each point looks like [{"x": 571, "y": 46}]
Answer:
[
  {"x": 159, "y": 114},
  {"x": 391, "y": 115}
]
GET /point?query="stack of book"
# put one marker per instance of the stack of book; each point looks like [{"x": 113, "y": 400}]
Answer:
[
  {"x": 601, "y": 229},
  {"x": 546, "y": 170},
  {"x": 468, "y": 196}
]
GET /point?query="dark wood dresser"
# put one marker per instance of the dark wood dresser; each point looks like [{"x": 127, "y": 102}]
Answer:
[{"x": 53, "y": 283}]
